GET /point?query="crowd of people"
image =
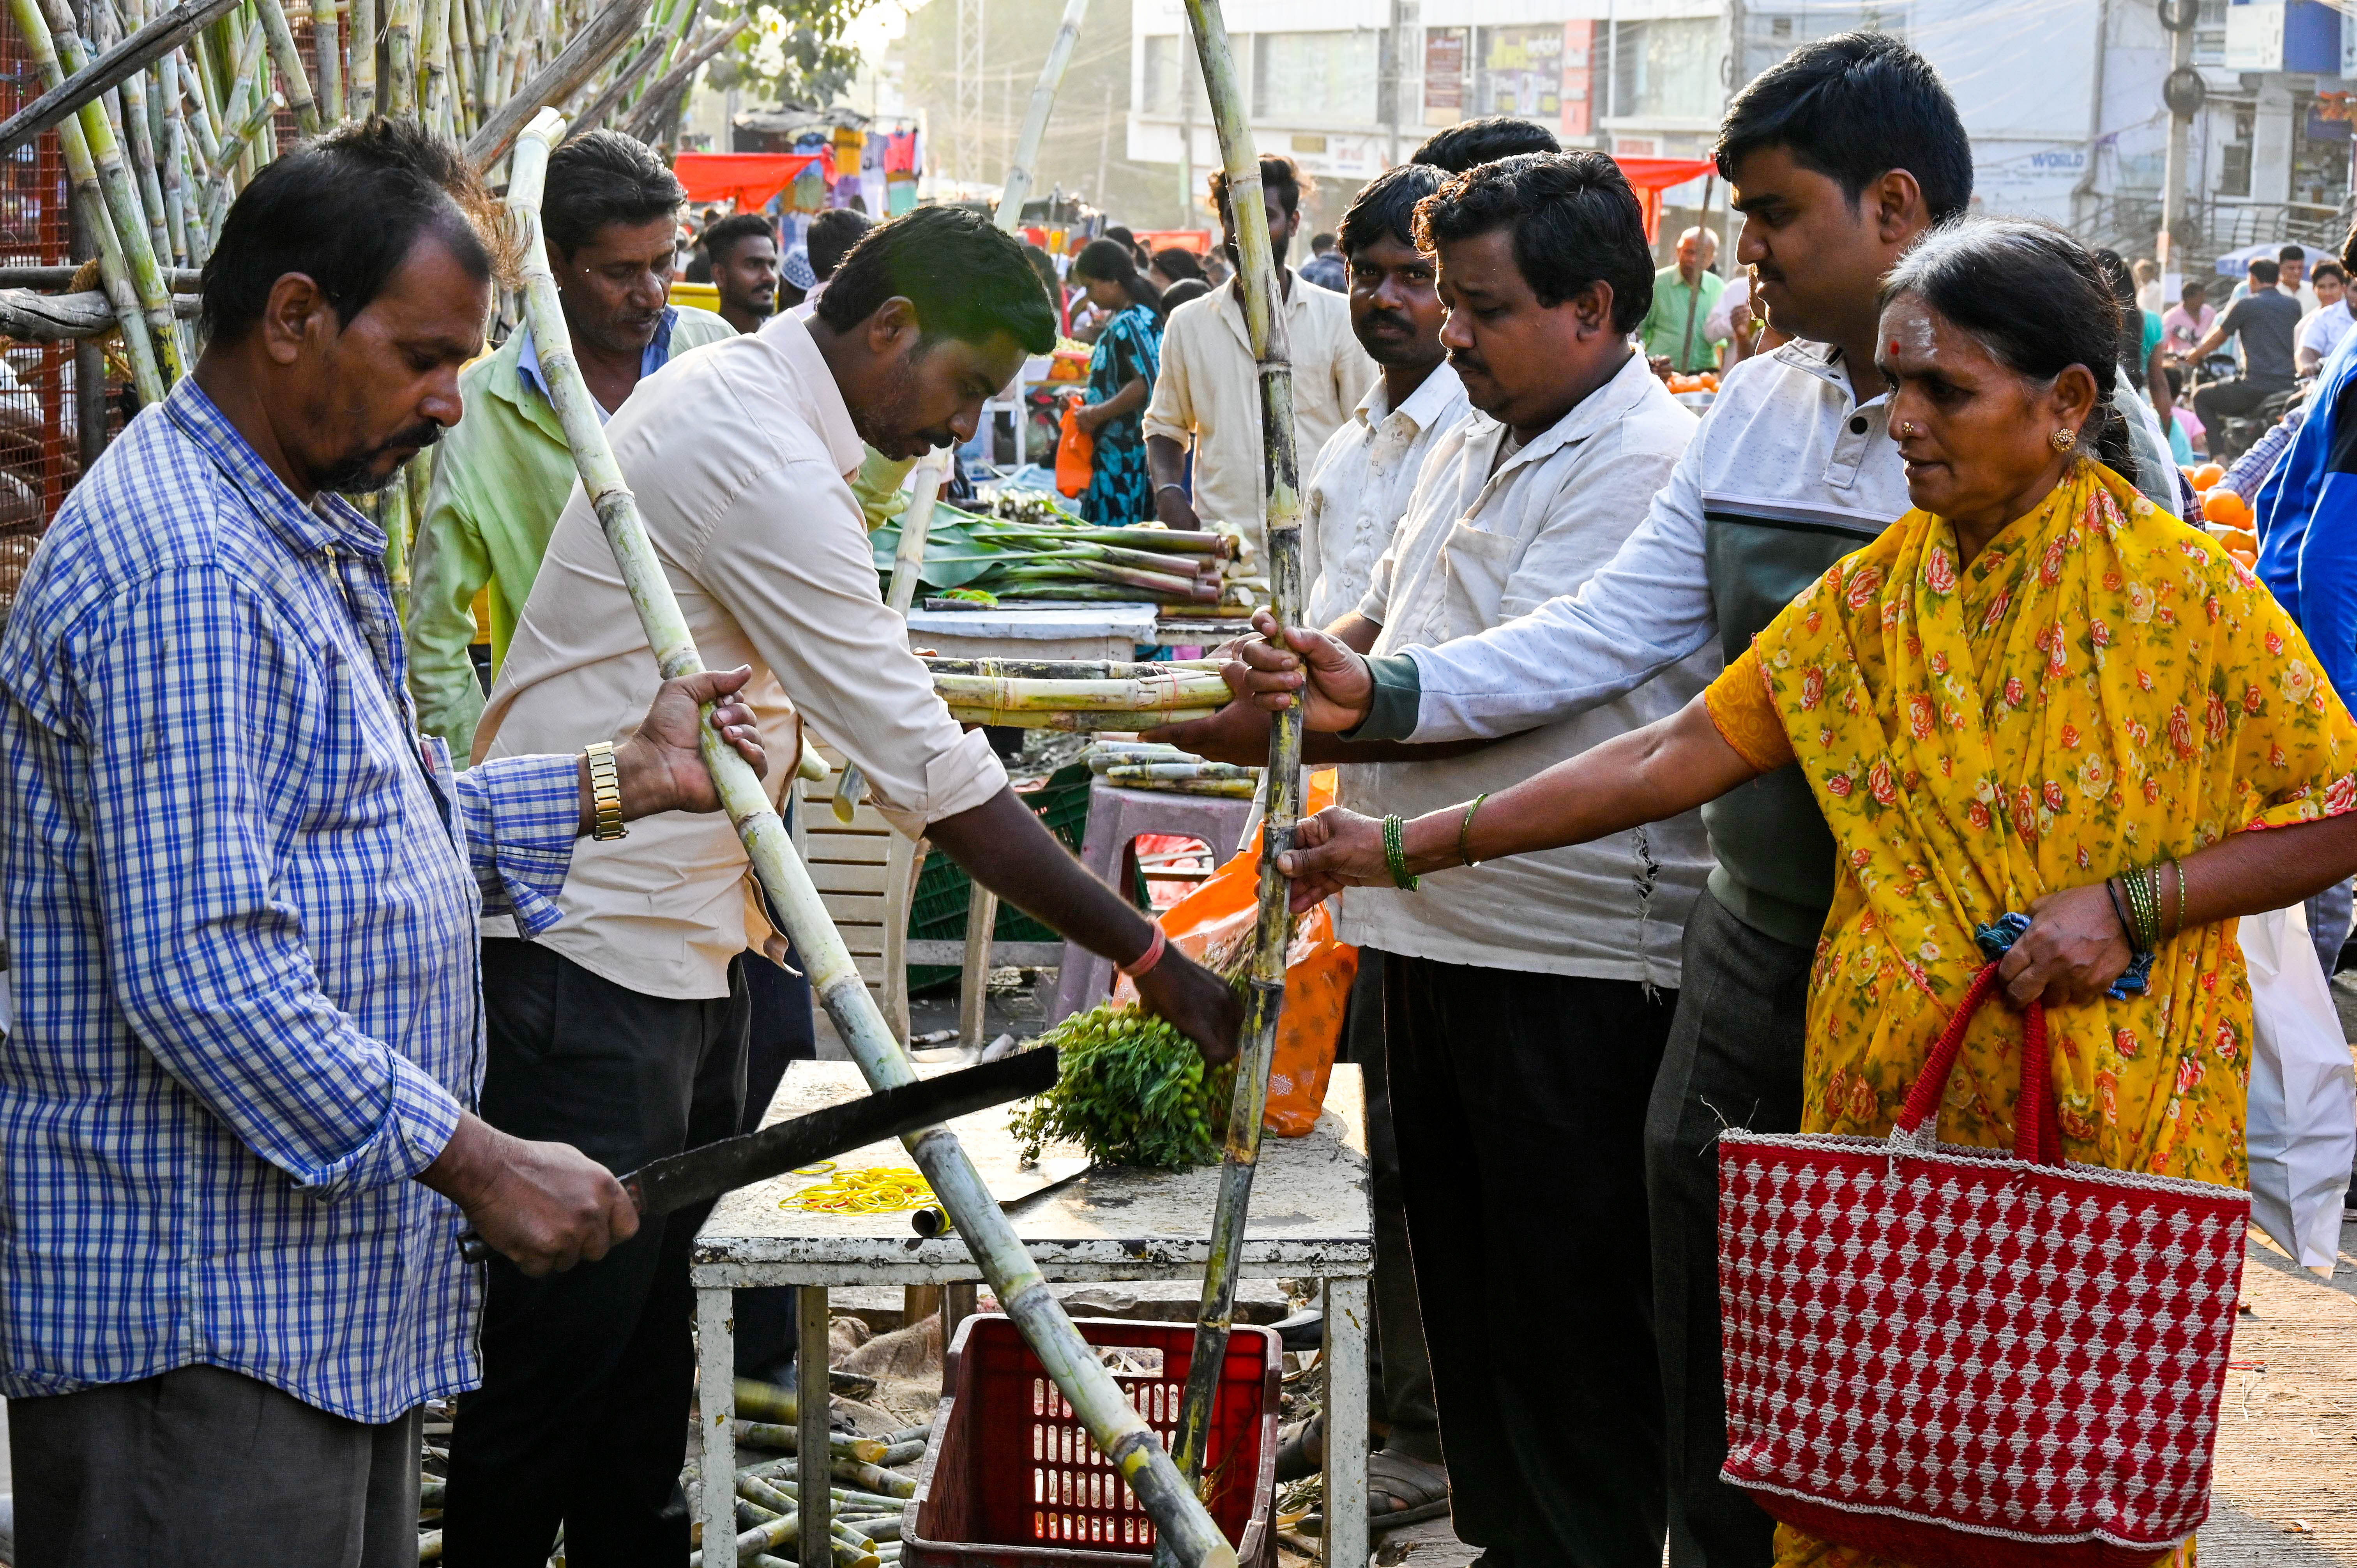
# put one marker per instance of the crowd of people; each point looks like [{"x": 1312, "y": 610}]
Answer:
[{"x": 1690, "y": 760}]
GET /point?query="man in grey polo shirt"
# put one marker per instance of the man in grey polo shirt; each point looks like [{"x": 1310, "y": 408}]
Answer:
[{"x": 1840, "y": 156}]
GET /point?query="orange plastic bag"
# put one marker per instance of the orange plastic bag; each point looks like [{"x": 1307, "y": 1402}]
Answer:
[
  {"x": 1219, "y": 916},
  {"x": 1076, "y": 453}
]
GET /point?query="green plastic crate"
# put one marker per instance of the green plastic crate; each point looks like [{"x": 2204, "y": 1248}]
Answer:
[{"x": 937, "y": 913}]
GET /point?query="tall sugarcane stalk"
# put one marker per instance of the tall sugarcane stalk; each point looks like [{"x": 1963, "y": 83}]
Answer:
[
  {"x": 143, "y": 163},
  {"x": 152, "y": 41},
  {"x": 121, "y": 193},
  {"x": 81, "y": 171},
  {"x": 1119, "y": 1431},
  {"x": 293, "y": 80},
  {"x": 400, "y": 58},
  {"x": 326, "y": 39},
  {"x": 434, "y": 89},
  {"x": 363, "y": 72},
  {"x": 1264, "y": 325},
  {"x": 1017, "y": 189}
]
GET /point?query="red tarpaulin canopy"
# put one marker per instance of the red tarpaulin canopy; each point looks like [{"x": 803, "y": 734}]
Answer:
[
  {"x": 1650, "y": 176},
  {"x": 749, "y": 179}
]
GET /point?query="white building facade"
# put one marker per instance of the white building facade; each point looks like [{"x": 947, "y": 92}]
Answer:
[{"x": 2061, "y": 98}]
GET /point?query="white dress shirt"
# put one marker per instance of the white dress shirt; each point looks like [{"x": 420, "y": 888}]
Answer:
[
  {"x": 1209, "y": 394},
  {"x": 740, "y": 459},
  {"x": 1361, "y": 487},
  {"x": 1477, "y": 549}
]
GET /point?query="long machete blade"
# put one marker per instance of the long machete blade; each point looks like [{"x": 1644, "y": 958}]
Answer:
[
  {"x": 682, "y": 1179},
  {"x": 679, "y": 1180}
]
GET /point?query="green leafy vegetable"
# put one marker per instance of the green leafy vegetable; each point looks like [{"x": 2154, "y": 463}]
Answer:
[{"x": 1131, "y": 1090}]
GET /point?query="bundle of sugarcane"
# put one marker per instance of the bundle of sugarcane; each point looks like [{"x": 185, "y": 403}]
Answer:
[
  {"x": 1077, "y": 694},
  {"x": 987, "y": 559},
  {"x": 1136, "y": 765}
]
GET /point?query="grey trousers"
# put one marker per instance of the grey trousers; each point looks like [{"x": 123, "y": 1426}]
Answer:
[
  {"x": 1733, "y": 1060},
  {"x": 203, "y": 1468}
]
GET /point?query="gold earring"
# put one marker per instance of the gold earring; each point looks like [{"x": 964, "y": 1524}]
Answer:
[{"x": 2061, "y": 440}]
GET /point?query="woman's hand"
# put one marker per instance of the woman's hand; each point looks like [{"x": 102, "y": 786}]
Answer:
[
  {"x": 2073, "y": 951},
  {"x": 1089, "y": 416},
  {"x": 1331, "y": 850}
]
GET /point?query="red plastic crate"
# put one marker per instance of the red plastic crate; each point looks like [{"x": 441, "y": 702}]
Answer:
[{"x": 1012, "y": 1480}]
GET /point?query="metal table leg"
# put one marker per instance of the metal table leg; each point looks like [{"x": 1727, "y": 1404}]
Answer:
[
  {"x": 715, "y": 1335},
  {"x": 814, "y": 1396},
  {"x": 1345, "y": 1541}
]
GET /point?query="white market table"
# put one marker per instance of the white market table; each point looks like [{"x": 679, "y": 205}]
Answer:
[{"x": 1310, "y": 1219}]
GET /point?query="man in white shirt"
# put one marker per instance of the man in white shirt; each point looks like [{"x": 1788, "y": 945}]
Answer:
[
  {"x": 1527, "y": 1006},
  {"x": 2321, "y": 332},
  {"x": 625, "y": 1021},
  {"x": 1208, "y": 394},
  {"x": 1363, "y": 479},
  {"x": 1840, "y": 157}
]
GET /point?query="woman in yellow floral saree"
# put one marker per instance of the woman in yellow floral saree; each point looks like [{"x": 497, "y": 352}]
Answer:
[{"x": 2033, "y": 683}]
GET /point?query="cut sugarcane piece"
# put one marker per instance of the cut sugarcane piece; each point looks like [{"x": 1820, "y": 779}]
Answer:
[
  {"x": 786, "y": 1436},
  {"x": 1125, "y": 722},
  {"x": 1134, "y": 772},
  {"x": 1143, "y": 693},
  {"x": 1063, "y": 669},
  {"x": 1265, "y": 329},
  {"x": 1114, "y": 1425},
  {"x": 1224, "y": 789},
  {"x": 854, "y": 1474}
]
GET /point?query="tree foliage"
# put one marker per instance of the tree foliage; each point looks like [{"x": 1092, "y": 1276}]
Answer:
[{"x": 794, "y": 53}]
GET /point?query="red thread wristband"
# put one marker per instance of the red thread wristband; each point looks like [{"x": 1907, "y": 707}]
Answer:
[{"x": 1136, "y": 969}]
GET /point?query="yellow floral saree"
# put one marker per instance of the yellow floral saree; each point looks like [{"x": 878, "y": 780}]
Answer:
[{"x": 2102, "y": 687}]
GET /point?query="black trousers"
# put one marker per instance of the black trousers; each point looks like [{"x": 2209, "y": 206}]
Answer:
[
  {"x": 1518, "y": 1103},
  {"x": 1734, "y": 1060},
  {"x": 1400, "y": 1373},
  {"x": 587, "y": 1375}
]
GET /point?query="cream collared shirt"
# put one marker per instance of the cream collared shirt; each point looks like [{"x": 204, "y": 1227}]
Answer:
[
  {"x": 1208, "y": 393},
  {"x": 1361, "y": 487},
  {"x": 740, "y": 460},
  {"x": 1494, "y": 531}
]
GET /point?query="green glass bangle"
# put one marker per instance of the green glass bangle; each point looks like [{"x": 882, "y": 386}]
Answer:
[
  {"x": 1395, "y": 856},
  {"x": 1464, "y": 831}
]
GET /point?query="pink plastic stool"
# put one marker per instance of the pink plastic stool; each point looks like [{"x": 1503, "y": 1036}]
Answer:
[{"x": 1117, "y": 818}]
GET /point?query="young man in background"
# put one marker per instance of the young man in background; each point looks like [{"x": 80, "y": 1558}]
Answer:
[
  {"x": 743, "y": 250},
  {"x": 501, "y": 476}
]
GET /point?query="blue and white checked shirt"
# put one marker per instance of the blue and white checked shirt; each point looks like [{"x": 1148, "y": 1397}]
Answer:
[{"x": 241, "y": 901}]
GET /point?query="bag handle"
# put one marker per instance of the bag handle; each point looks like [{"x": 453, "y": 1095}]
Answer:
[{"x": 2037, "y": 1136}]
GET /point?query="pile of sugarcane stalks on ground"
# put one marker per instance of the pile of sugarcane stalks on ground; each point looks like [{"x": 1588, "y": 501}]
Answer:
[
  {"x": 1137, "y": 765},
  {"x": 1077, "y": 694},
  {"x": 867, "y": 1495}
]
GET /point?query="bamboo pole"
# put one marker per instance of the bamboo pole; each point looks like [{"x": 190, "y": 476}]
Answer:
[
  {"x": 1017, "y": 189},
  {"x": 293, "y": 80},
  {"x": 1264, "y": 325},
  {"x": 157, "y": 39},
  {"x": 363, "y": 71},
  {"x": 81, "y": 170},
  {"x": 627, "y": 75},
  {"x": 327, "y": 44},
  {"x": 1119, "y": 1431}
]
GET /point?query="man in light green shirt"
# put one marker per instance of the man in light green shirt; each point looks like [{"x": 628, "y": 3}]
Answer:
[
  {"x": 1686, "y": 291},
  {"x": 502, "y": 473}
]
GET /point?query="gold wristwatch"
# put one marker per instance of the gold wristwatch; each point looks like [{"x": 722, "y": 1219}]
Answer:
[{"x": 605, "y": 793}]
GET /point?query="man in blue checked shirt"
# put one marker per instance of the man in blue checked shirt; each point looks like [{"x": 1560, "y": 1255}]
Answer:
[{"x": 240, "y": 898}]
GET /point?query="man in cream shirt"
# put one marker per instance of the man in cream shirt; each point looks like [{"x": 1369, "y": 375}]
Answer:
[
  {"x": 625, "y": 1022},
  {"x": 1207, "y": 395}
]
